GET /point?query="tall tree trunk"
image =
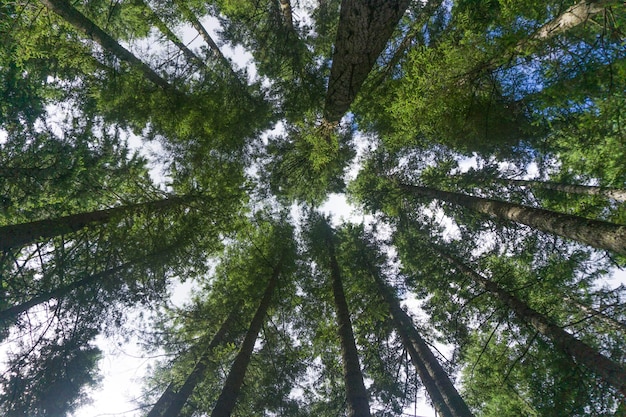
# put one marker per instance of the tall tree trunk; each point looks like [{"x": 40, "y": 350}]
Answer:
[
  {"x": 442, "y": 392},
  {"x": 228, "y": 397},
  {"x": 592, "y": 312},
  {"x": 576, "y": 15},
  {"x": 171, "y": 36},
  {"x": 356, "y": 395},
  {"x": 363, "y": 31},
  {"x": 64, "y": 9},
  {"x": 171, "y": 401},
  {"x": 287, "y": 13},
  {"x": 616, "y": 194},
  {"x": 596, "y": 233},
  {"x": 613, "y": 373},
  {"x": 18, "y": 235}
]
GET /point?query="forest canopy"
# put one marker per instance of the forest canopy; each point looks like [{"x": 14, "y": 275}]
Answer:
[{"x": 483, "y": 140}]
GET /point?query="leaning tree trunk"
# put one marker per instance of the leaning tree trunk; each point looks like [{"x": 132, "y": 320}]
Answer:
[
  {"x": 592, "y": 312},
  {"x": 74, "y": 17},
  {"x": 356, "y": 395},
  {"x": 576, "y": 15},
  {"x": 612, "y": 372},
  {"x": 228, "y": 397},
  {"x": 442, "y": 392},
  {"x": 171, "y": 401},
  {"x": 596, "y": 233},
  {"x": 12, "y": 313},
  {"x": 616, "y": 194},
  {"x": 18, "y": 235},
  {"x": 363, "y": 31}
]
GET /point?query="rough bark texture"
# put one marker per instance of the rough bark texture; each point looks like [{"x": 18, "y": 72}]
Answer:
[
  {"x": 616, "y": 194},
  {"x": 613, "y": 373},
  {"x": 596, "y": 233},
  {"x": 64, "y": 9},
  {"x": 356, "y": 394},
  {"x": 228, "y": 397},
  {"x": 171, "y": 401},
  {"x": 578, "y": 14},
  {"x": 18, "y": 235},
  {"x": 364, "y": 29},
  {"x": 442, "y": 392}
]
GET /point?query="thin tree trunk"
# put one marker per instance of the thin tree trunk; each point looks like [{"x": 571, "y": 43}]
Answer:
[
  {"x": 592, "y": 312},
  {"x": 287, "y": 13},
  {"x": 596, "y": 233},
  {"x": 576, "y": 15},
  {"x": 171, "y": 36},
  {"x": 616, "y": 194},
  {"x": 363, "y": 31},
  {"x": 191, "y": 18},
  {"x": 228, "y": 397},
  {"x": 356, "y": 394},
  {"x": 171, "y": 401},
  {"x": 64, "y": 9},
  {"x": 18, "y": 235},
  {"x": 613, "y": 373},
  {"x": 442, "y": 392}
]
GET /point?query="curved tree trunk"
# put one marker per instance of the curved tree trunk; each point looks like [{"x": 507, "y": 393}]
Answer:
[
  {"x": 364, "y": 29},
  {"x": 613, "y": 373},
  {"x": 442, "y": 392},
  {"x": 171, "y": 401},
  {"x": 18, "y": 235},
  {"x": 596, "y": 233},
  {"x": 356, "y": 394},
  {"x": 228, "y": 397},
  {"x": 64, "y": 9},
  {"x": 616, "y": 194}
]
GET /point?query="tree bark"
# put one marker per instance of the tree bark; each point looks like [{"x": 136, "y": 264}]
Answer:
[
  {"x": 596, "y": 233},
  {"x": 171, "y": 401},
  {"x": 74, "y": 17},
  {"x": 18, "y": 235},
  {"x": 613, "y": 373},
  {"x": 363, "y": 31},
  {"x": 356, "y": 394},
  {"x": 287, "y": 13},
  {"x": 616, "y": 194},
  {"x": 442, "y": 392},
  {"x": 576, "y": 15},
  {"x": 592, "y": 312},
  {"x": 228, "y": 397}
]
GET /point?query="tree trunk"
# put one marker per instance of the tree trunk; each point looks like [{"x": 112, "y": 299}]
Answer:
[
  {"x": 356, "y": 395},
  {"x": 171, "y": 36},
  {"x": 171, "y": 402},
  {"x": 596, "y": 233},
  {"x": 442, "y": 392},
  {"x": 228, "y": 397},
  {"x": 61, "y": 292},
  {"x": 592, "y": 312},
  {"x": 613, "y": 373},
  {"x": 287, "y": 13},
  {"x": 18, "y": 235},
  {"x": 64, "y": 9},
  {"x": 616, "y": 194},
  {"x": 576, "y": 15},
  {"x": 363, "y": 31}
]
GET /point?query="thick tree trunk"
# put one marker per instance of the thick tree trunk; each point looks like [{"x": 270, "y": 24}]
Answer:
[
  {"x": 364, "y": 29},
  {"x": 356, "y": 394},
  {"x": 18, "y": 235},
  {"x": 228, "y": 397},
  {"x": 613, "y": 373},
  {"x": 596, "y": 233},
  {"x": 616, "y": 194},
  {"x": 442, "y": 392},
  {"x": 64, "y": 9},
  {"x": 171, "y": 401}
]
